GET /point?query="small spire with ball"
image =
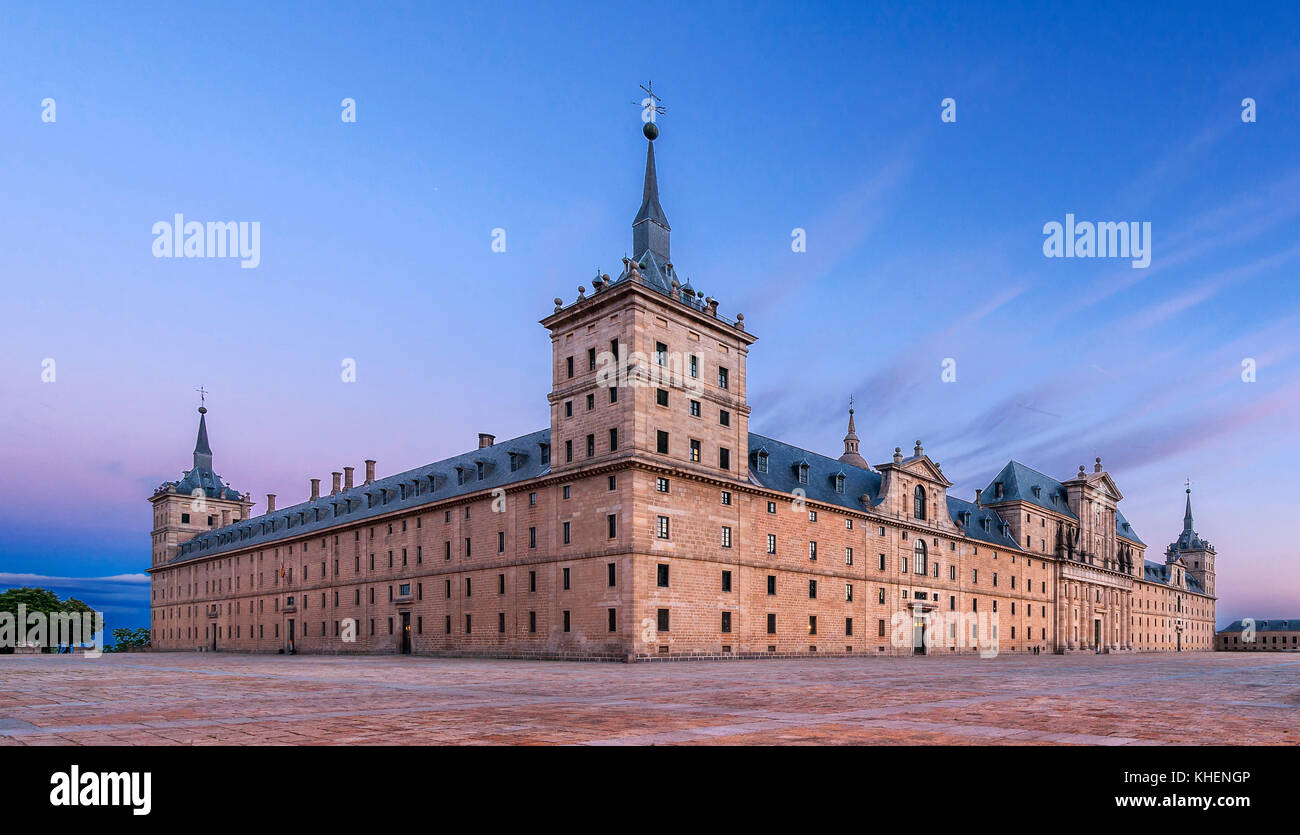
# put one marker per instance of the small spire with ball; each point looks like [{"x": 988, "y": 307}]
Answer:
[{"x": 650, "y": 108}]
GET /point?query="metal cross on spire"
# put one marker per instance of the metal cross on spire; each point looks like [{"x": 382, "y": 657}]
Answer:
[
  {"x": 203, "y": 395},
  {"x": 650, "y": 104}
]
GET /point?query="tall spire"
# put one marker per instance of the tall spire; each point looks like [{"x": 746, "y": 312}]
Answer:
[
  {"x": 202, "y": 452},
  {"x": 1187, "y": 516},
  {"x": 851, "y": 455},
  {"x": 650, "y": 228}
]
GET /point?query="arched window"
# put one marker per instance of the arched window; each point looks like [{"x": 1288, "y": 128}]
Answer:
[
  {"x": 918, "y": 551},
  {"x": 918, "y": 502}
]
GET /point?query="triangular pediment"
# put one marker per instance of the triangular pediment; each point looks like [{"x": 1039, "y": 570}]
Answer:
[
  {"x": 922, "y": 467},
  {"x": 1102, "y": 481}
]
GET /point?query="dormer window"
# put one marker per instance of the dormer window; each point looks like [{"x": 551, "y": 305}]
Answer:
[
  {"x": 1038, "y": 491},
  {"x": 801, "y": 470},
  {"x": 997, "y": 490},
  {"x": 479, "y": 467},
  {"x": 546, "y": 448},
  {"x": 839, "y": 482},
  {"x": 462, "y": 475},
  {"x": 516, "y": 461},
  {"x": 987, "y": 524},
  {"x": 762, "y": 461}
]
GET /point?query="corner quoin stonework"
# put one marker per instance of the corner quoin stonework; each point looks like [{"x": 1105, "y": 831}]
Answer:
[{"x": 648, "y": 522}]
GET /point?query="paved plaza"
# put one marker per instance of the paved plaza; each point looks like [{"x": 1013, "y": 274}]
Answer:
[{"x": 231, "y": 699}]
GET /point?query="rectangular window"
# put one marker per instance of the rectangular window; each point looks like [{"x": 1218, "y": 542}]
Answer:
[
  {"x": 568, "y": 451},
  {"x": 724, "y": 417},
  {"x": 723, "y": 378},
  {"x": 568, "y": 364},
  {"x": 726, "y": 581},
  {"x": 532, "y": 537},
  {"x": 812, "y": 624},
  {"x": 661, "y": 397},
  {"x": 694, "y": 408},
  {"x": 812, "y": 551},
  {"x": 501, "y": 542},
  {"x": 566, "y": 579},
  {"x": 661, "y": 484},
  {"x": 501, "y": 621},
  {"x": 612, "y": 520},
  {"x": 661, "y": 441},
  {"x": 726, "y": 621},
  {"x": 613, "y": 620},
  {"x": 694, "y": 364},
  {"x": 812, "y": 589},
  {"x": 613, "y": 440},
  {"x": 591, "y": 359},
  {"x": 848, "y": 592},
  {"x": 771, "y": 623},
  {"x": 724, "y": 458},
  {"x": 591, "y": 445},
  {"x": 663, "y": 527},
  {"x": 661, "y": 575},
  {"x": 726, "y": 537},
  {"x": 771, "y": 584},
  {"x": 848, "y": 556},
  {"x": 726, "y": 497},
  {"x": 661, "y": 353},
  {"x": 532, "y": 621},
  {"x": 848, "y": 627},
  {"x": 611, "y": 571},
  {"x": 532, "y": 581},
  {"x": 663, "y": 620},
  {"x": 566, "y": 533},
  {"x": 695, "y": 450},
  {"x": 771, "y": 543}
]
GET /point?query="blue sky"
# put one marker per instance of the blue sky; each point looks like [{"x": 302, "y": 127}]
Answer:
[{"x": 924, "y": 243}]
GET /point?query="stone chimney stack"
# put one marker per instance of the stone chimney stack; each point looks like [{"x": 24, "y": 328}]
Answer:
[
  {"x": 979, "y": 494},
  {"x": 485, "y": 440},
  {"x": 335, "y": 488},
  {"x": 370, "y": 470},
  {"x": 315, "y": 489},
  {"x": 347, "y": 477},
  {"x": 270, "y": 503}
]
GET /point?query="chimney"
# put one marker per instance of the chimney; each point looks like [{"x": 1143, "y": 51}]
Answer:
[
  {"x": 347, "y": 477},
  {"x": 335, "y": 488},
  {"x": 979, "y": 494},
  {"x": 270, "y": 503},
  {"x": 370, "y": 470},
  {"x": 315, "y": 489},
  {"x": 485, "y": 440}
]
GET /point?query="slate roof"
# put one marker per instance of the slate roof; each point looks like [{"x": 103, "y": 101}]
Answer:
[
  {"x": 1124, "y": 529},
  {"x": 1155, "y": 572},
  {"x": 1018, "y": 483},
  {"x": 975, "y": 529},
  {"x": 470, "y": 472},
  {"x": 1270, "y": 625},
  {"x": 782, "y": 474}
]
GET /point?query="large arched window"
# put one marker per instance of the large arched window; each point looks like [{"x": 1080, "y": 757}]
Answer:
[
  {"x": 918, "y": 502},
  {"x": 918, "y": 552}
]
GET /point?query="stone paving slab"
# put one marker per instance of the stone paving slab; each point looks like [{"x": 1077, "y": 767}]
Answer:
[{"x": 232, "y": 699}]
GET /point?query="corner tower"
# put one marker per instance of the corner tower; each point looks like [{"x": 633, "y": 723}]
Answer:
[
  {"x": 1197, "y": 553},
  {"x": 646, "y": 366},
  {"x": 197, "y": 502}
]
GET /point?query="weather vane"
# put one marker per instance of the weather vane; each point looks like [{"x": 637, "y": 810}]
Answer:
[
  {"x": 650, "y": 108},
  {"x": 203, "y": 396},
  {"x": 1189, "y": 485}
]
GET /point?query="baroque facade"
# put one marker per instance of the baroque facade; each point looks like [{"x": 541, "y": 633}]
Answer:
[{"x": 647, "y": 521}]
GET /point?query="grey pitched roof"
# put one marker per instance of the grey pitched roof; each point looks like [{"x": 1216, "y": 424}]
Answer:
[
  {"x": 983, "y": 524},
  {"x": 1270, "y": 625},
  {"x": 1155, "y": 572},
  {"x": 782, "y": 474},
  {"x": 470, "y": 472},
  {"x": 1124, "y": 529},
  {"x": 1019, "y": 483},
  {"x": 783, "y": 461}
]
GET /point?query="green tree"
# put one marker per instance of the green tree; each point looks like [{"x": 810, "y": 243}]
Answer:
[
  {"x": 38, "y": 600},
  {"x": 124, "y": 639}
]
